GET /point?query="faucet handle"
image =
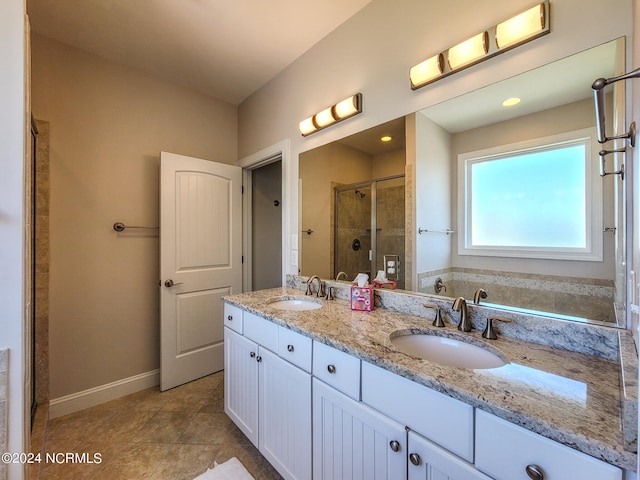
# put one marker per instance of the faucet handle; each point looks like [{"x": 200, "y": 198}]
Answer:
[
  {"x": 489, "y": 331},
  {"x": 480, "y": 294},
  {"x": 437, "y": 321},
  {"x": 331, "y": 293}
]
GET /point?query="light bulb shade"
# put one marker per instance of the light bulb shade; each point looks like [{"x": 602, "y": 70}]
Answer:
[
  {"x": 348, "y": 107},
  {"x": 324, "y": 118},
  {"x": 522, "y": 27},
  {"x": 469, "y": 51},
  {"x": 307, "y": 126},
  {"x": 426, "y": 71}
]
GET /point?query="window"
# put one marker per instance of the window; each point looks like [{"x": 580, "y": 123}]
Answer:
[{"x": 539, "y": 199}]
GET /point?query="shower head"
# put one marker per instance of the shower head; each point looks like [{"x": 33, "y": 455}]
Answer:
[{"x": 362, "y": 195}]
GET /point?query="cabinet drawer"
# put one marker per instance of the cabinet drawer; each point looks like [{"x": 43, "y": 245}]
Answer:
[
  {"x": 295, "y": 348},
  {"x": 233, "y": 317},
  {"x": 338, "y": 369},
  {"x": 260, "y": 330},
  {"x": 504, "y": 450},
  {"x": 429, "y": 461},
  {"x": 442, "y": 419}
]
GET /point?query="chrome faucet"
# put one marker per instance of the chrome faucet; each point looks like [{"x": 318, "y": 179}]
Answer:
[
  {"x": 341, "y": 274},
  {"x": 320, "y": 291},
  {"x": 460, "y": 305},
  {"x": 480, "y": 294}
]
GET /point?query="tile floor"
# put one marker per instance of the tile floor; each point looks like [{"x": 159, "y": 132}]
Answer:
[{"x": 173, "y": 435}]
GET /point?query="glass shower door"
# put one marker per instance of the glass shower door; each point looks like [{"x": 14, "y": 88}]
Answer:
[
  {"x": 352, "y": 232},
  {"x": 369, "y": 229}
]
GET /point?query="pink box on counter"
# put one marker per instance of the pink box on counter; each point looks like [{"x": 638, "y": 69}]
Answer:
[{"x": 362, "y": 298}]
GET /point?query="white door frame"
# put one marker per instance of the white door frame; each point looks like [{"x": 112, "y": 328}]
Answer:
[{"x": 278, "y": 151}]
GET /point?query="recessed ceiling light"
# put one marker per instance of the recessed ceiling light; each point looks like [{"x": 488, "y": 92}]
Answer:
[
  {"x": 510, "y": 102},
  {"x": 386, "y": 138}
]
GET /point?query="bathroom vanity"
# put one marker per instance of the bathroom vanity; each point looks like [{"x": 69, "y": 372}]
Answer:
[{"x": 325, "y": 393}]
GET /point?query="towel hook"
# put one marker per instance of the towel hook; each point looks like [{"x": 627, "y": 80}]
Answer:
[{"x": 598, "y": 95}]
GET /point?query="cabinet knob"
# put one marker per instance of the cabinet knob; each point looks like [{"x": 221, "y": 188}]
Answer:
[
  {"x": 535, "y": 472},
  {"x": 395, "y": 445},
  {"x": 252, "y": 354},
  {"x": 229, "y": 317},
  {"x": 258, "y": 359},
  {"x": 289, "y": 348},
  {"x": 331, "y": 368},
  {"x": 415, "y": 459}
]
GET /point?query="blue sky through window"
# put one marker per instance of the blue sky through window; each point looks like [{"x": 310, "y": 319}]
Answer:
[{"x": 532, "y": 199}]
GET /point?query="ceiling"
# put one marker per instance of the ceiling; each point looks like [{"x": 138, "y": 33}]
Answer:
[{"x": 226, "y": 49}]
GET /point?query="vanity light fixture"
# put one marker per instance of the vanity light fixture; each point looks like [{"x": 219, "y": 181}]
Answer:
[
  {"x": 468, "y": 52},
  {"x": 513, "y": 32},
  {"x": 340, "y": 111},
  {"x": 521, "y": 28}
]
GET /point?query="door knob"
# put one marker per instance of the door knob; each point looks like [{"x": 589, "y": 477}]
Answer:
[{"x": 169, "y": 283}]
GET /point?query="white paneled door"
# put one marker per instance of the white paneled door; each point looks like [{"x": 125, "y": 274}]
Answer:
[{"x": 200, "y": 262}]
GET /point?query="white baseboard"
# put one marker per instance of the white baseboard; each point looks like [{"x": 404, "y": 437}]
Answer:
[{"x": 104, "y": 393}]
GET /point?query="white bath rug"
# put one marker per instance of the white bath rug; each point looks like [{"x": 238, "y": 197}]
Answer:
[{"x": 232, "y": 469}]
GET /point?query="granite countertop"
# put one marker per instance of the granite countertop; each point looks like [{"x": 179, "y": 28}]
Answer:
[{"x": 569, "y": 397}]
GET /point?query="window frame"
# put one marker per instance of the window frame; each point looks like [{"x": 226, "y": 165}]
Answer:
[{"x": 593, "y": 251}]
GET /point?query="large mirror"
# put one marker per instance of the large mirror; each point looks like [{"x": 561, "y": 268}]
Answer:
[{"x": 470, "y": 194}]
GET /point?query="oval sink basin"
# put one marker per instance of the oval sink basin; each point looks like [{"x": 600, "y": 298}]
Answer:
[
  {"x": 446, "y": 351},
  {"x": 295, "y": 304}
]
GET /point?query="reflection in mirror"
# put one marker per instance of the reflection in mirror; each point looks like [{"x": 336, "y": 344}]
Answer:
[
  {"x": 353, "y": 197},
  {"x": 443, "y": 142}
]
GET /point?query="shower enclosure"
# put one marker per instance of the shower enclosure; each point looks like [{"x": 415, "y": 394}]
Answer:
[{"x": 369, "y": 229}]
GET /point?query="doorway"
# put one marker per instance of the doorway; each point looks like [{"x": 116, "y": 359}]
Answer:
[
  {"x": 279, "y": 232},
  {"x": 266, "y": 226}
]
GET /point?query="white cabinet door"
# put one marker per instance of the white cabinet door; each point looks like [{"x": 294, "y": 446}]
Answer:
[
  {"x": 241, "y": 383},
  {"x": 427, "y": 461},
  {"x": 509, "y": 452},
  {"x": 351, "y": 441},
  {"x": 285, "y": 416}
]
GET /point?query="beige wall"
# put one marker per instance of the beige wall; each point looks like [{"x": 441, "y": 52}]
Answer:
[
  {"x": 372, "y": 52},
  {"x": 433, "y": 194},
  {"x": 108, "y": 124},
  {"x": 320, "y": 170},
  {"x": 388, "y": 164}
]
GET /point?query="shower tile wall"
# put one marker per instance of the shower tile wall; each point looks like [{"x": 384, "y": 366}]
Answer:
[
  {"x": 578, "y": 297},
  {"x": 390, "y": 231},
  {"x": 42, "y": 263}
]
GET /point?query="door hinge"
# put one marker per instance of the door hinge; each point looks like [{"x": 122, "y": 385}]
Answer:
[
  {"x": 242, "y": 259},
  {"x": 242, "y": 189}
]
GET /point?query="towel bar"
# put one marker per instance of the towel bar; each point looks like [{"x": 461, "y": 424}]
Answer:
[{"x": 120, "y": 227}]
